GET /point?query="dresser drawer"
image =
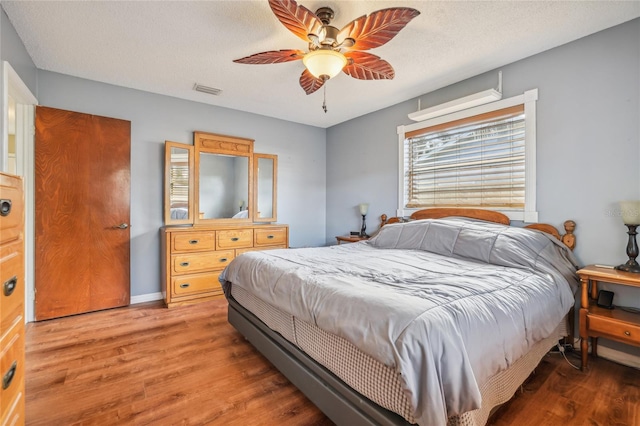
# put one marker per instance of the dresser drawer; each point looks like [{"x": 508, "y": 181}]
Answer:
[
  {"x": 192, "y": 241},
  {"x": 199, "y": 262},
  {"x": 11, "y": 208},
  {"x": 234, "y": 238},
  {"x": 197, "y": 283},
  {"x": 12, "y": 366},
  {"x": 270, "y": 236},
  {"x": 617, "y": 330},
  {"x": 240, "y": 251},
  {"x": 11, "y": 284},
  {"x": 15, "y": 414}
]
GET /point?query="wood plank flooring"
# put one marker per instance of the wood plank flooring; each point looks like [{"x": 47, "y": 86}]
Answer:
[{"x": 148, "y": 365}]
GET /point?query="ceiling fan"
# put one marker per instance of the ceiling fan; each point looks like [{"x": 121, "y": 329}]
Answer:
[{"x": 325, "y": 58}]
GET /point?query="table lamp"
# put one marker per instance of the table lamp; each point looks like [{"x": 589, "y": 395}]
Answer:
[
  {"x": 364, "y": 208},
  {"x": 631, "y": 218}
]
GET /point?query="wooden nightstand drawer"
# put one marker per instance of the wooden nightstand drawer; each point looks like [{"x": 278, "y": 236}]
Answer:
[
  {"x": 615, "y": 324},
  {"x": 193, "y": 241},
  {"x": 199, "y": 262},
  {"x": 615, "y": 329},
  {"x": 196, "y": 284},
  {"x": 12, "y": 366},
  {"x": 270, "y": 236},
  {"x": 234, "y": 238}
]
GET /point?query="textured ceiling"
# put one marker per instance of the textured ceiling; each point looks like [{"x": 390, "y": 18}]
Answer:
[{"x": 167, "y": 46}]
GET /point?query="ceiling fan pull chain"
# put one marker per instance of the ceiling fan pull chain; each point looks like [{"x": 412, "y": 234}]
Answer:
[{"x": 324, "y": 101}]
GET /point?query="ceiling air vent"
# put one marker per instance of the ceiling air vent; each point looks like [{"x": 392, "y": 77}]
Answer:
[{"x": 206, "y": 89}]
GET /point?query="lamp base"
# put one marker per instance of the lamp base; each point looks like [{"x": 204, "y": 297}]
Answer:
[
  {"x": 632, "y": 252},
  {"x": 630, "y": 266},
  {"x": 363, "y": 230}
]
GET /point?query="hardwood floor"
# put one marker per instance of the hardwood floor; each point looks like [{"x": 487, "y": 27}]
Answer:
[
  {"x": 150, "y": 365},
  {"x": 146, "y": 364}
]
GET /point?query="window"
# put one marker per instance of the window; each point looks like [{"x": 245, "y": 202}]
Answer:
[{"x": 483, "y": 157}]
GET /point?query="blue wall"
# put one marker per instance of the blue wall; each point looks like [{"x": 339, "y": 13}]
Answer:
[{"x": 588, "y": 147}]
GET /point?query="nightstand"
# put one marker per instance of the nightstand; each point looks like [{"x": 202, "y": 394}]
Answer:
[
  {"x": 350, "y": 239},
  {"x": 615, "y": 324}
]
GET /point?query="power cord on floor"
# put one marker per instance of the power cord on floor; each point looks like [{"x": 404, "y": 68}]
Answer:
[{"x": 561, "y": 349}]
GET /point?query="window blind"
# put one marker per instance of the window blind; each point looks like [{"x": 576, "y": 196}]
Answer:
[
  {"x": 478, "y": 161},
  {"x": 179, "y": 178}
]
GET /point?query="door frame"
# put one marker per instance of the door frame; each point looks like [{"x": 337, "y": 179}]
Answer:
[{"x": 25, "y": 133}]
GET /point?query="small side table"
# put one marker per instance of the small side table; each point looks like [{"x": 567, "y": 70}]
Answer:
[
  {"x": 615, "y": 324},
  {"x": 350, "y": 238}
]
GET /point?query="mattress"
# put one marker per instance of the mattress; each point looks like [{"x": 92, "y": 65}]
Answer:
[{"x": 378, "y": 382}]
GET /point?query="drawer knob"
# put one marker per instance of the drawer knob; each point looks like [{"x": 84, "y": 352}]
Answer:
[
  {"x": 194, "y": 241},
  {"x": 5, "y": 207},
  {"x": 270, "y": 237},
  {"x": 235, "y": 239},
  {"x": 9, "y": 375},
  {"x": 184, "y": 264},
  {"x": 9, "y": 286},
  {"x": 224, "y": 259},
  {"x": 184, "y": 285},
  {"x": 627, "y": 333}
]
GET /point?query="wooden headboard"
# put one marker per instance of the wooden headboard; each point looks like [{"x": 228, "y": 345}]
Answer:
[{"x": 489, "y": 215}]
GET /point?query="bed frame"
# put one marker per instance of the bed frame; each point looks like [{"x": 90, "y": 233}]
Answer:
[
  {"x": 339, "y": 402},
  {"x": 491, "y": 216},
  {"x": 343, "y": 405}
]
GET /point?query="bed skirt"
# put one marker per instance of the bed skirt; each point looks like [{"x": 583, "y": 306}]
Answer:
[{"x": 378, "y": 382}]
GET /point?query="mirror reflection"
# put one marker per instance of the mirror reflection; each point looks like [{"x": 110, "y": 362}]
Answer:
[
  {"x": 179, "y": 183},
  {"x": 265, "y": 187},
  {"x": 178, "y": 191},
  {"x": 223, "y": 186}
]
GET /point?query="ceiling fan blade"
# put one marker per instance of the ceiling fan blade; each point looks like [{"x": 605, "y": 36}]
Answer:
[
  {"x": 377, "y": 28},
  {"x": 272, "y": 57},
  {"x": 298, "y": 19},
  {"x": 365, "y": 66},
  {"x": 309, "y": 83}
]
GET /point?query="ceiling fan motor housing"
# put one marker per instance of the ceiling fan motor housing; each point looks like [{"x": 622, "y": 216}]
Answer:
[{"x": 325, "y": 14}]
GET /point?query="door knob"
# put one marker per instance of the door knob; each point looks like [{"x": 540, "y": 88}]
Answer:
[{"x": 122, "y": 226}]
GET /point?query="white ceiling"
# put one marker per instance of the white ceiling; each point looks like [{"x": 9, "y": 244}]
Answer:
[{"x": 167, "y": 46}]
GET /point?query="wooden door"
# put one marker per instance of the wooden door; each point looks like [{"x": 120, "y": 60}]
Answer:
[{"x": 82, "y": 203}]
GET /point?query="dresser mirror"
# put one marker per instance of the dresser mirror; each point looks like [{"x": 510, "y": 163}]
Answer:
[
  {"x": 224, "y": 183},
  {"x": 219, "y": 179},
  {"x": 178, "y": 189},
  {"x": 223, "y": 186},
  {"x": 265, "y": 173}
]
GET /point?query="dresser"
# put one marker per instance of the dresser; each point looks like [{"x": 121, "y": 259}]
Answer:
[
  {"x": 194, "y": 257},
  {"x": 12, "y": 318}
]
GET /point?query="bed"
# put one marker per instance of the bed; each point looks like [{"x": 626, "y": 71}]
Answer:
[
  {"x": 432, "y": 321},
  {"x": 179, "y": 213}
]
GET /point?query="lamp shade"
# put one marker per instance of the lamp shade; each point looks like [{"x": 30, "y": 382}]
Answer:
[
  {"x": 630, "y": 212},
  {"x": 364, "y": 208},
  {"x": 324, "y": 62}
]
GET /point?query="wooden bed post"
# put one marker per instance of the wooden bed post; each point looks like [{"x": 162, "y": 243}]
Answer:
[{"x": 569, "y": 239}]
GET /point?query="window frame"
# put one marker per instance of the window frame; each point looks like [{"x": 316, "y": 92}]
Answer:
[{"x": 528, "y": 99}]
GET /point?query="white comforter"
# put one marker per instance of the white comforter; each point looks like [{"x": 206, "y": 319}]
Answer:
[{"x": 447, "y": 303}]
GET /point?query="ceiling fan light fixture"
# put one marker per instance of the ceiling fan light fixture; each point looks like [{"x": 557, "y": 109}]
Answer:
[{"x": 324, "y": 62}]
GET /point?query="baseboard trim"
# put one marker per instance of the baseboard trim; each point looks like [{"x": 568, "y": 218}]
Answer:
[
  {"x": 613, "y": 355},
  {"x": 142, "y": 298},
  {"x": 619, "y": 357}
]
